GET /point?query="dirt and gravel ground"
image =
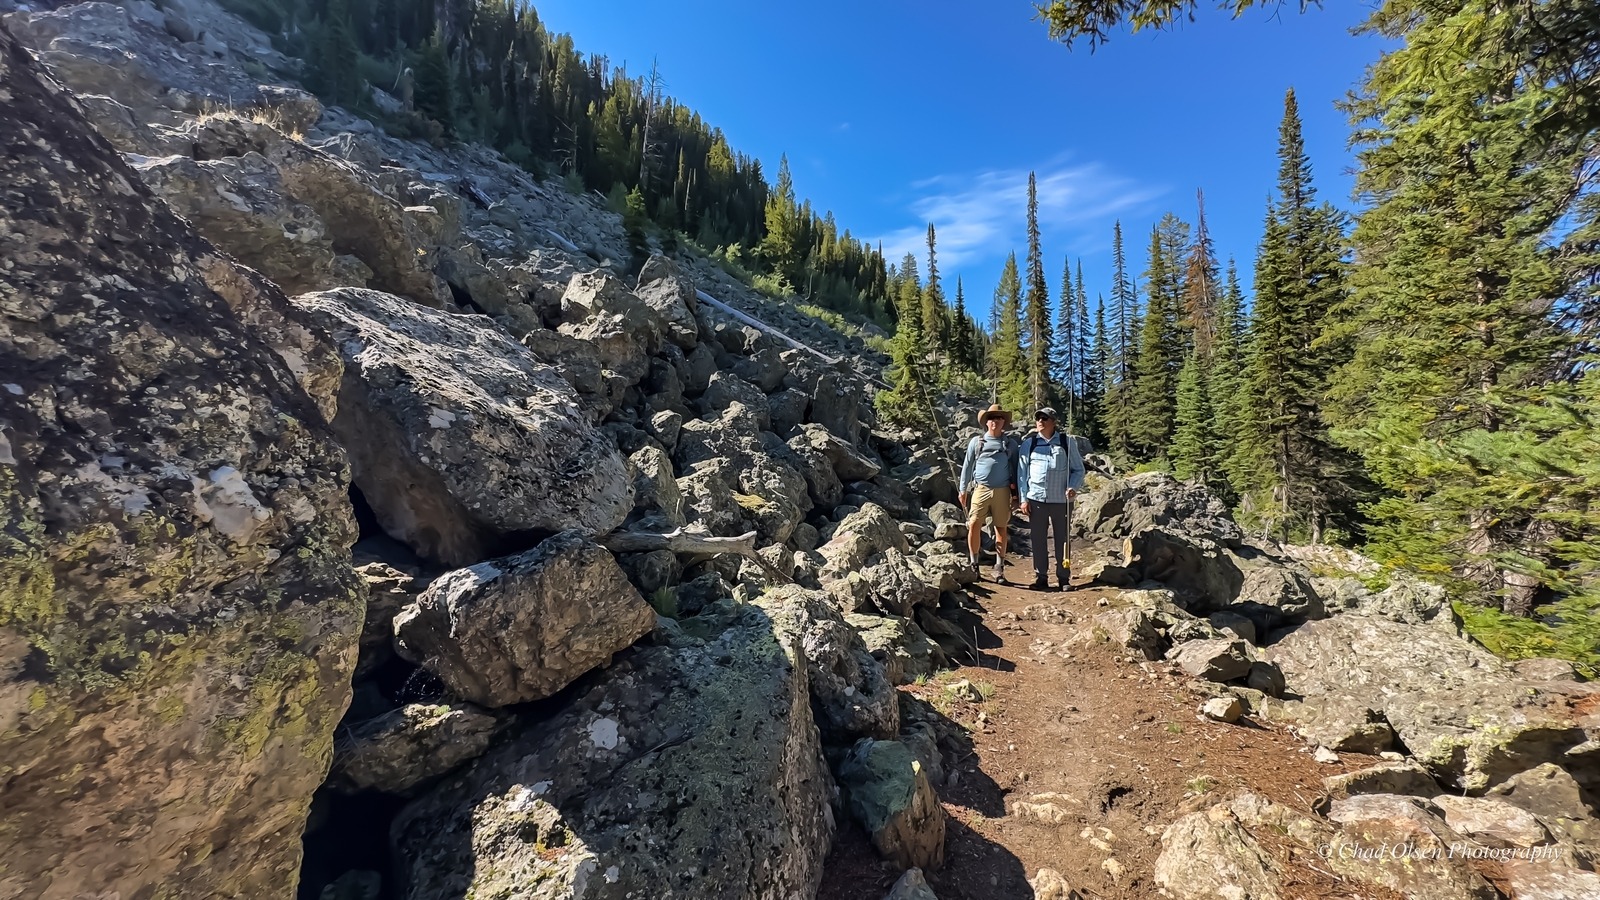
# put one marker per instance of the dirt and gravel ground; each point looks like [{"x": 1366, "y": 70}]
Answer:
[{"x": 1119, "y": 738}]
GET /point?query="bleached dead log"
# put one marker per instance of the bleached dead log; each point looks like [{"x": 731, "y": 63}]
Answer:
[{"x": 698, "y": 543}]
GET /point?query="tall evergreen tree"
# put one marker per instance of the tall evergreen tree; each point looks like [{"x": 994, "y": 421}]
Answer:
[
  {"x": 1065, "y": 364},
  {"x": 1160, "y": 342},
  {"x": 1037, "y": 309},
  {"x": 1226, "y": 387},
  {"x": 934, "y": 312},
  {"x": 1010, "y": 364},
  {"x": 435, "y": 83},
  {"x": 783, "y": 247},
  {"x": 1481, "y": 238},
  {"x": 1201, "y": 291},
  {"x": 961, "y": 343},
  {"x": 1299, "y": 278},
  {"x": 1116, "y": 406},
  {"x": 1193, "y": 449}
]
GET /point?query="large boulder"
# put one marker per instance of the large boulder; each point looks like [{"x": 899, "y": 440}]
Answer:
[
  {"x": 851, "y": 697},
  {"x": 1426, "y": 869},
  {"x": 860, "y": 537},
  {"x": 664, "y": 289},
  {"x": 523, "y": 627},
  {"x": 1221, "y": 659},
  {"x": 457, "y": 435},
  {"x": 1209, "y": 854},
  {"x": 597, "y": 308},
  {"x": 407, "y": 747},
  {"x": 675, "y": 773},
  {"x": 889, "y": 793},
  {"x": 1124, "y": 507},
  {"x": 1481, "y": 734},
  {"x": 1373, "y": 658},
  {"x": 848, "y": 462},
  {"x": 178, "y": 613},
  {"x": 241, "y": 204},
  {"x": 904, "y": 651},
  {"x": 836, "y": 406}
]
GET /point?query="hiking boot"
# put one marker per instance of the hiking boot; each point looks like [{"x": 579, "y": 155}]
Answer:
[
  {"x": 1040, "y": 584},
  {"x": 999, "y": 571}
]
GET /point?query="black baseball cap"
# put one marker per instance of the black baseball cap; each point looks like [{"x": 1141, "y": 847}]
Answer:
[{"x": 1045, "y": 413}]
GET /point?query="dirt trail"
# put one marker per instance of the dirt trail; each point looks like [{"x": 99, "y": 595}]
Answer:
[{"x": 1117, "y": 737}]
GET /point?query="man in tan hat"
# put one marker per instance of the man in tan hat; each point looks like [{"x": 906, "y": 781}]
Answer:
[{"x": 989, "y": 485}]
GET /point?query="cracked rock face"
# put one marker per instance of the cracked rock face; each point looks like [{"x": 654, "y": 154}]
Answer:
[
  {"x": 523, "y": 627},
  {"x": 178, "y": 614},
  {"x": 675, "y": 773},
  {"x": 457, "y": 435}
]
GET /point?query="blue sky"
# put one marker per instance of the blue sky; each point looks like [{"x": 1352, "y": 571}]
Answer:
[{"x": 896, "y": 113}]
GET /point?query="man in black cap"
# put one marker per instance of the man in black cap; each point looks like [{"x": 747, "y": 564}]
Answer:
[{"x": 1049, "y": 475}]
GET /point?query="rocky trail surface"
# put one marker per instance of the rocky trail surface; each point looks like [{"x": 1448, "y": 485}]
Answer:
[{"x": 1074, "y": 756}]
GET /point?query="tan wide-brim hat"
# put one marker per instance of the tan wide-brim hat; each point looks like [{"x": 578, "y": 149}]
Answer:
[{"x": 993, "y": 412}]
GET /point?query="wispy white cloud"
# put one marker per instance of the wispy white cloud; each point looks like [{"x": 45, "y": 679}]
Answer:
[{"x": 982, "y": 216}]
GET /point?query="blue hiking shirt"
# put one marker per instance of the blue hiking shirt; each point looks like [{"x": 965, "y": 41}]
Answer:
[
  {"x": 991, "y": 462},
  {"x": 1046, "y": 469}
]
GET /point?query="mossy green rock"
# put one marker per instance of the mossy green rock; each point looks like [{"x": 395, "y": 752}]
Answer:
[
  {"x": 675, "y": 773},
  {"x": 178, "y": 616}
]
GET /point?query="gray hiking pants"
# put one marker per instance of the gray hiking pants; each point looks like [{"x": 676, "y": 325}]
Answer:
[{"x": 1055, "y": 518}]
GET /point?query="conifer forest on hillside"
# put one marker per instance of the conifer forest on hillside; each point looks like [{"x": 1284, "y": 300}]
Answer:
[{"x": 1412, "y": 372}]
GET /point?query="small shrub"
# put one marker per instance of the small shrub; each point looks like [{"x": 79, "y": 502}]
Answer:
[
  {"x": 985, "y": 689},
  {"x": 1174, "y": 728},
  {"x": 1202, "y": 785}
]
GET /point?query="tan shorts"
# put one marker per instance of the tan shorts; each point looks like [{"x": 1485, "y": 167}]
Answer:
[{"x": 988, "y": 502}]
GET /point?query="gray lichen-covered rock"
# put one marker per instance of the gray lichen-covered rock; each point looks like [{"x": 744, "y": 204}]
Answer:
[
  {"x": 1213, "y": 660},
  {"x": 597, "y": 308},
  {"x": 889, "y": 793},
  {"x": 860, "y": 537},
  {"x": 675, "y": 774},
  {"x": 1339, "y": 722},
  {"x": 522, "y": 627},
  {"x": 406, "y": 747},
  {"x": 178, "y": 614},
  {"x": 1125, "y": 507},
  {"x": 905, "y": 652},
  {"x": 1481, "y": 734},
  {"x": 850, "y": 463},
  {"x": 1209, "y": 854},
  {"x": 1426, "y": 870},
  {"x": 663, "y": 288},
  {"x": 850, "y": 696},
  {"x": 457, "y": 435},
  {"x": 389, "y": 590}
]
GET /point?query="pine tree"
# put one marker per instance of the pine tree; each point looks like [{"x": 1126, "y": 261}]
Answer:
[
  {"x": 1193, "y": 451},
  {"x": 1088, "y": 383},
  {"x": 331, "y": 70},
  {"x": 961, "y": 343},
  {"x": 1477, "y": 244},
  {"x": 1065, "y": 363},
  {"x": 1010, "y": 364},
  {"x": 435, "y": 84},
  {"x": 1299, "y": 279},
  {"x": 1200, "y": 290},
  {"x": 903, "y": 401},
  {"x": 1226, "y": 386},
  {"x": 1160, "y": 342},
  {"x": 1116, "y": 405},
  {"x": 934, "y": 312},
  {"x": 1037, "y": 308},
  {"x": 783, "y": 247}
]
